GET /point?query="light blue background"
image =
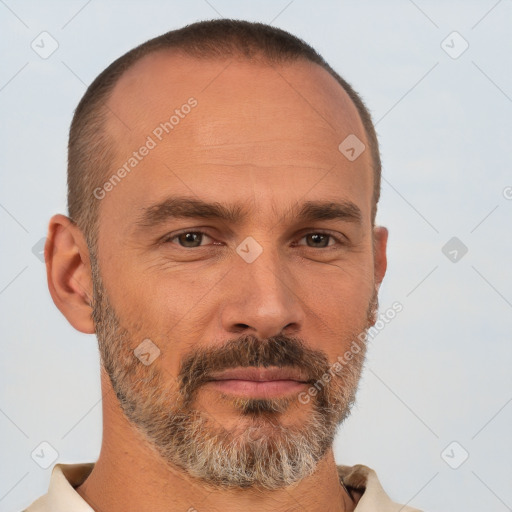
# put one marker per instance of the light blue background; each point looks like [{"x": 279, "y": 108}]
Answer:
[{"x": 439, "y": 372}]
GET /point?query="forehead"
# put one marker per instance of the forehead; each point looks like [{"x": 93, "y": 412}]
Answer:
[
  {"x": 221, "y": 127},
  {"x": 257, "y": 91}
]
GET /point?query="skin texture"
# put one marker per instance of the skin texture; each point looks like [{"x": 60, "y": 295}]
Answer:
[{"x": 265, "y": 137}]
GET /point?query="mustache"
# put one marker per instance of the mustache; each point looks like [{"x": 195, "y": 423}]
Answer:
[{"x": 282, "y": 351}]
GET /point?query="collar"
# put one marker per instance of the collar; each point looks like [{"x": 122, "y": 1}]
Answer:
[
  {"x": 364, "y": 486},
  {"x": 361, "y": 482}
]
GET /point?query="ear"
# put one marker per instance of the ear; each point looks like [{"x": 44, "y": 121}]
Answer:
[
  {"x": 380, "y": 241},
  {"x": 68, "y": 271}
]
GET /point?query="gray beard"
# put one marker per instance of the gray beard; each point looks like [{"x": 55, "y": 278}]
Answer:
[{"x": 260, "y": 451}]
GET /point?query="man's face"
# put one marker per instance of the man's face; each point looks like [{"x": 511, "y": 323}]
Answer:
[{"x": 281, "y": 285}]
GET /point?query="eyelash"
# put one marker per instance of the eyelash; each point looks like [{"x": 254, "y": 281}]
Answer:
[{"x": 169, "y": 239}]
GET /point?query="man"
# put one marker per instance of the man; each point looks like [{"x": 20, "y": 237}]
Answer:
[{"x": 223, "y": 183}]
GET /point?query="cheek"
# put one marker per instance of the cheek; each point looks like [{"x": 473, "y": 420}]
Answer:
[
  {"x": 155, "y": 290},
  {"x": 336, "y": 306},
  {"x": 344, "y": 287},
  {"x": 171, "y": 307}
]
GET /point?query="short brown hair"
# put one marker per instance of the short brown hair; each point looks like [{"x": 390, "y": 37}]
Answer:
[{"x": 90, "y": 151}]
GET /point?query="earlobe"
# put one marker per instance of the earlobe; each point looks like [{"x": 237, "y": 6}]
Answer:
[
  {"x": 380, "y": 240},
  {"x": 69, "y": 272}
]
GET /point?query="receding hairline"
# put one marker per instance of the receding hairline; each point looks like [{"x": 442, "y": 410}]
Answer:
[
  {"x": 90, "y": 150},
  {"x": 175, "y": 61}
]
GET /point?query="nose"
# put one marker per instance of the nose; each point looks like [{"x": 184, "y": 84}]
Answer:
[{"x": 263, "y": 299}]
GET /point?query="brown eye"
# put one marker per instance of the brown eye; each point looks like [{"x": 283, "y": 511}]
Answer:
[
  {"x": 190, "y": 239},
  {"x": 318, "y": 240}
]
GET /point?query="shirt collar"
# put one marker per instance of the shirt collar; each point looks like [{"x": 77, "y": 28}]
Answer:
[
  {"x": 361, "y": 481},
  {"x": 62, "y": 496}
]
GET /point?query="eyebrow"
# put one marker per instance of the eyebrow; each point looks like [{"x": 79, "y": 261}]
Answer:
[{"x": 177, "y": 207}]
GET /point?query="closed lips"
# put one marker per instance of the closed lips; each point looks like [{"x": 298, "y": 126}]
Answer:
[{"x": 260, "y": 374}]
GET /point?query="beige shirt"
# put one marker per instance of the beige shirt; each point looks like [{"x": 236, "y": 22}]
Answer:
[{"x": 62, "y": 497}]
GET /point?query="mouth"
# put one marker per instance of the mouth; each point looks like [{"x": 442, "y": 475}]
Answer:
[{"x": 256, "y": 382}]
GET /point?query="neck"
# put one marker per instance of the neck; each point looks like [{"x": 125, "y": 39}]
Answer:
[{"x": 130, "y": 475}]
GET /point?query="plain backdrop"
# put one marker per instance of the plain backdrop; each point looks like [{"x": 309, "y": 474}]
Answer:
[{"x": 434, "y": 411}]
